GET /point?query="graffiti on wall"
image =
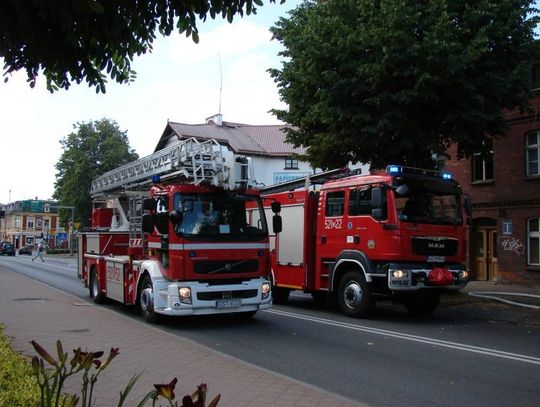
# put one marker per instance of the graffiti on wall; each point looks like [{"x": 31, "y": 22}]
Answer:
[{"x": 511, "y": 244}]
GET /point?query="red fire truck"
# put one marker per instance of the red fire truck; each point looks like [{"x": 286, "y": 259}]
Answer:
[
  {"x": 356, "y": 239},
  {"x": 179, "y": 232}
]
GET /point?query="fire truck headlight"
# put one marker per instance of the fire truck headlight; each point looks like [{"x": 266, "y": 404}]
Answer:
[
  {"x": 463, "y": 275},
  {"x": 265, "y": 291},
  {"x": 399, "y": 274},
  {"x": 185, "y": 295}
]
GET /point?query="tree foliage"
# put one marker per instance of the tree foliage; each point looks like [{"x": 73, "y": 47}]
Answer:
[
  {"x": 72, "y": 41},
  {"x": 397, "y": 81},
  {"x": 93, "y": 149}
]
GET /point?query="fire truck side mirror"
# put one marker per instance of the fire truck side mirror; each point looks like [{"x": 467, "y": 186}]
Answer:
[
  {"x": 277, "y": 223},
  {"x": 276, "y": 207},
  {"x": 176, "y": 217},
  {"x": 468, "y": 205},
  {"x": 148, "y": 223},
  {"x": 377, "y": 198},
  {"x": 377, "y": 202},
  {"x": 149, "y": 204}
]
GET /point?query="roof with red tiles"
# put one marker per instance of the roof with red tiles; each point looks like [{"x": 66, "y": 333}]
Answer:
[{"x": 266, "y": 140}]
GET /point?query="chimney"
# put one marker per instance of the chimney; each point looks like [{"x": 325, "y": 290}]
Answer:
[{"x": 217, "y": 119}]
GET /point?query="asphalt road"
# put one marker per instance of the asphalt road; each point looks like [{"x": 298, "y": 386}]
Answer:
[{"x": 391, "y": 359}]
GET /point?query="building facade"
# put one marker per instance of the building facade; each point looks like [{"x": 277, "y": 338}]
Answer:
[
  {"x": 504, "y": 186},
  {"x": 26, "y": 222}
]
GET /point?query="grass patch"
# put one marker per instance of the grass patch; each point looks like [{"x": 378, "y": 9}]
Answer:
[{"x": 18, "y": 385}]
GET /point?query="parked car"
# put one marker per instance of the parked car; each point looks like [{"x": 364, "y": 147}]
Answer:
[
  {"x": 7, "y": 249},
  {"x": 26, "y": 250}
]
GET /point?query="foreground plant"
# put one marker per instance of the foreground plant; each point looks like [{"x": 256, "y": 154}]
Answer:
[
  {"x": 197, "y": 399},
  {"x": 51, "y": 380}
]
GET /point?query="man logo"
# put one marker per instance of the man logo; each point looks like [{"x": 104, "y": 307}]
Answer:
[{"x": 434, "y": 245}]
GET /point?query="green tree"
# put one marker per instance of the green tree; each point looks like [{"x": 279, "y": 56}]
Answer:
[
  {"x": 72, "y": 41},
  {"x": 93, "y": 149},
  {"x": 396, "y": 81}
]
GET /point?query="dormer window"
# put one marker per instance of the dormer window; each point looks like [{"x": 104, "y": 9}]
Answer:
[{"x": 291, "y": 164}]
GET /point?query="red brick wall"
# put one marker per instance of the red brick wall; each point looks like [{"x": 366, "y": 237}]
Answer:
[{"x": 510, "y": 196}]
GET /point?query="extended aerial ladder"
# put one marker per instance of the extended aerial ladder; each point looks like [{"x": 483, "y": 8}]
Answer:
[{"x": 189, "y": 160}]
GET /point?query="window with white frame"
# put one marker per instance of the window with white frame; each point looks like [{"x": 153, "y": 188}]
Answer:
[
  {"x": 29, "y": 222},
  {"x": 291, "y": 164},
  {"x": 18, "y": 222},
  {"x": 532, "y": 153},
  {"x": 533, "y": 242},
  {"x": 482, "y": 166}
]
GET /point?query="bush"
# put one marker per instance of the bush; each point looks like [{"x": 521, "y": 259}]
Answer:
[
  {"x": 18, "y": 386},
  {"x": 25, "y": 384}
]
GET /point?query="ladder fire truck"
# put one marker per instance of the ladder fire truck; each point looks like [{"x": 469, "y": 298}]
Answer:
[
  {"x": 356, "y": 239},
  {"x": 179, "y": 232}
]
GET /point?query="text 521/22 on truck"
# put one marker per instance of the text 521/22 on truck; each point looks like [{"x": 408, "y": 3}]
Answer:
[{"x": 356, "y": 239}]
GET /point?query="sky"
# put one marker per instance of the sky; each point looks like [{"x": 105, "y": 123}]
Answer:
[{"x": 179, "y": 81}]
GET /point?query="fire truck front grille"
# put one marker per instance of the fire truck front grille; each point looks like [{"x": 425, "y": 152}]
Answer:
[
  {"x": 434, "y": 246},
  {"x": 219, "y": 295},
  {"x": 226, "y": 267}
]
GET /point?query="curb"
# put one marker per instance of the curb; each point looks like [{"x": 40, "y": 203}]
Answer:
[{"x": 494, "y": 295}]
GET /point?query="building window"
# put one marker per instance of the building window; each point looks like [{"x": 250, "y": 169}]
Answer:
[
  {"x": 29, "y": 223},
  {"x": 533, "y": 242},
  {"x": 18, "y": 222},
  {"x": 482, "y": 166},
  {"x": 532, "y": 153},
  {"x": 535, "y": 76},
  {"x": 291, "y": 164}
]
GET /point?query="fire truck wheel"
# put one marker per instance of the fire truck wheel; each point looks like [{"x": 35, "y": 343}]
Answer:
[
  {"x": 280, "y": 295},
  {"x": 95, "y": 292},
  {"x": 354, "y": 296},
  {"x": 146, "y": 300},
  {"x": 424, "y": 304}
]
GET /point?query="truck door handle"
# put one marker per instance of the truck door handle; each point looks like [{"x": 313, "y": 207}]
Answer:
[{"x": 323, "y": 239}]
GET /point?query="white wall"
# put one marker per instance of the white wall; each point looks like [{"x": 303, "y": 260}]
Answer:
[{"x": 271, "y": 170}]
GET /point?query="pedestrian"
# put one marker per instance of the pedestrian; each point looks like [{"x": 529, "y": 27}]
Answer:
[{"x": 39, "y": 252}]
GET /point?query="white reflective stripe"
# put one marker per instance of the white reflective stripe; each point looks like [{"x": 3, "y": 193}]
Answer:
[
  {"x": 154, "y": 245},
  {"x": 219, "y": 246}
]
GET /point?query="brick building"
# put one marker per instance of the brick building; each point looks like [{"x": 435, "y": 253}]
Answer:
[{"x": 505, "y": 190}]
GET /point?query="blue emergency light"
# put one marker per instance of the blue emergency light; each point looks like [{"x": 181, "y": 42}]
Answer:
[
  {"x": 446, "y": 175},
  {"x": 401, "y": 170},
  {"x": 394, "y": 169},
  {"x": 156, "y": 179}
]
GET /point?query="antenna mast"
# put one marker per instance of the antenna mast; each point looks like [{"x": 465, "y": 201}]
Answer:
[{"x": 220, "y": 83}]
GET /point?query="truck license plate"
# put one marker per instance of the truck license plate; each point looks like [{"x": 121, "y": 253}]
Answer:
[
  {"x": 229, "y": 303},
  {"x": 435, "y": 259}
]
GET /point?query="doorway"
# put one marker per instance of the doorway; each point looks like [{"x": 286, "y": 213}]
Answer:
[{"x": 485, "y": 250}]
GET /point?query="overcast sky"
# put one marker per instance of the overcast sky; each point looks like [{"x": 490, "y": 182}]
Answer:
[{"x": 179, "y": 81}]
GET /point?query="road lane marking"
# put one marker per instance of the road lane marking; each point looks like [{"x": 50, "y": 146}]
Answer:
[{"x": 415, "y": 338}]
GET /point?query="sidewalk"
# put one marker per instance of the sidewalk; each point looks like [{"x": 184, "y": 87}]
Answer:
[
  {"x": 502, "y": 302},
  {"x": 34, "y": 311}
]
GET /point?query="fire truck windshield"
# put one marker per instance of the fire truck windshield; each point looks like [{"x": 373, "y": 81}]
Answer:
[
  {"x": 429, "y": 201},
  {"x": 223, "y": 216}
]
